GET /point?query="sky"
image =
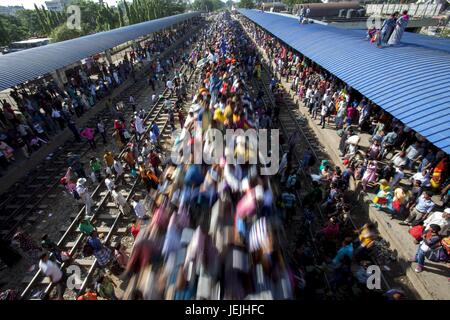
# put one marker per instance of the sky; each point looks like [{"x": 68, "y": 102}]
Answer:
[{"x": 29, "y": 4}]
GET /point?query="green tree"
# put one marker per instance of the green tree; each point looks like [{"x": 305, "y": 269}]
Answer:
[
  {"x": 121, "y": 17},
  {"x": 248, "y": 4},
  {"x": 207, "y": 5},
  {"x": 63, "y": 33},
  {"x": 29, "y": 19},
  {"x": 12, "y": 29}
]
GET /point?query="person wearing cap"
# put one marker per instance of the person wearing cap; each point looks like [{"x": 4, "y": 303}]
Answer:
[
  {"x": 84, "y": 194},
  {"x": 442, "y": 219}
]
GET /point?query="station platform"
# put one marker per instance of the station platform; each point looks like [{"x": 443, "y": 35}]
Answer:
[{"x": 433, "y": 283}]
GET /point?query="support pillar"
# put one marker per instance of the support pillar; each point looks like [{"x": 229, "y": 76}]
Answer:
[
  {"x": 60, "y": 78},
  {"x": 108, "y": 56}
]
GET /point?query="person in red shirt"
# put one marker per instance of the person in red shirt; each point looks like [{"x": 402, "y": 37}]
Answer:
[
  {"x": 135, "y": 228},
  {"x": 89, "y": 295}
]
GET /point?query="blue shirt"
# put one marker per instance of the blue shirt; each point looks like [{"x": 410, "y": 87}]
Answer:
[
  {"x": 424, "y": 206},
  {"x": 344, "y": 251}
]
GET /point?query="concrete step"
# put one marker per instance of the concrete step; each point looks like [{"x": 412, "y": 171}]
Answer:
[
  {"x": 107, "y": 217},
  {"x": 69, "y": 244},
  {"x": 84, "y": 262}
]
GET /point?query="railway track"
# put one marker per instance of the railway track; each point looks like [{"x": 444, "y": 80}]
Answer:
[
  {"x": 22, "y": 202},
  {"x": 107, "y": 218},
  {"x": 291, "y": 122}
]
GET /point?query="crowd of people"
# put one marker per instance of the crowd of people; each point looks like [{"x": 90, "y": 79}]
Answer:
[
  {"x": 402, "y": 168},
  {"x": 391, "y": 30},
  {"x": 139, "y": 157},
  {"x": 217, "y": 230},
  {"x": 44, "y": 109}
]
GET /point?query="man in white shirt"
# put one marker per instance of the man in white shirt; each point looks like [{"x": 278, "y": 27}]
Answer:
[
  {"x": 399, "y": 175},
  {"x": 442, "y": 219},
  {"x": 138, "y": 207},
  {"x": 423, "y": 177},
  {"x": 84, "y": 194},
  {"x": 109, "y": 182},
  {"x": 51, "y": 270},
  {"x": 120, "y": 201},
  {"x": 139, "y": 125},
  {"x": 170, "y": 85},
  {"x": 118, "y": 167}
]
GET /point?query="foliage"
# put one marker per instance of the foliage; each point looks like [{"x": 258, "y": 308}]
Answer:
[
  {"x": 248, "y": 4},
  {"x": 63, "y": 33},
  {"x": 207, "y": 5},
  {"x": 12, "y": 29},
  {"x": 95, "y": 17}
]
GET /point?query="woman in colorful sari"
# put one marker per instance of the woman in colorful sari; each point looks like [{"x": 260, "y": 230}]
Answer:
[
  {"x": 397, "y": 204},
  {"x": 383, "y": 195},
  {"x": 370, "y": 174},
  {"x": 400, "y": 27},
  {"x": 439, "y": 173}
]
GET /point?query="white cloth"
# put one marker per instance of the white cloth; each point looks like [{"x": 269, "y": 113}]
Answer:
[
  {"x": 50, "y": 269},
  {"x": 109, "y": 184},
  {"x": 437, "y": 218},
  {"x": 424, "y": 179},
  {"x": 119, "y": 199},
  {"x": 139, "y": 210},
  {"x": 139, "y": 124},
  {"x": 118, "y": 167}
]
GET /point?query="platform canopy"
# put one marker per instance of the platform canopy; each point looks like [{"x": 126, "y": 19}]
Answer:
[
  {"x": 411, "y": 81},
  {"x": 26, "y": 65}
]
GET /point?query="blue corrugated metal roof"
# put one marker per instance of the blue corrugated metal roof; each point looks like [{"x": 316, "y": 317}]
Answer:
[
  {"x": 18, "y": 67},
  {"x": 410, "y": 81}
]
